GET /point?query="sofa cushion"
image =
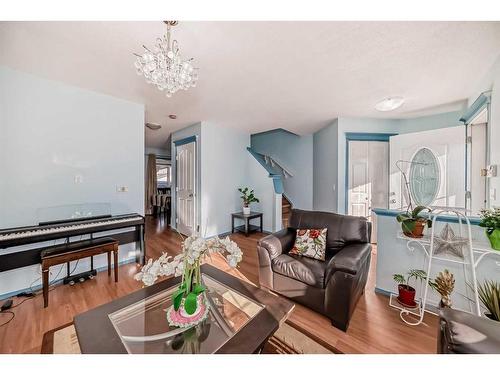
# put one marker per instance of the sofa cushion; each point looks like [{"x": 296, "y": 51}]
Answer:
[
  {"x": 307, "y": 270},
  {"x": 310, "y": 243},
  {"x": 342, "y": 229}
]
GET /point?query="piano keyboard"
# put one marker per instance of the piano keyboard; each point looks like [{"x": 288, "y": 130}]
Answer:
[{"x": 64, "y": 228}]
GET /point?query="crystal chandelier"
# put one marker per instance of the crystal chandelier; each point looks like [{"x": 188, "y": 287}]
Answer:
[{"x": 163, "y": 65}]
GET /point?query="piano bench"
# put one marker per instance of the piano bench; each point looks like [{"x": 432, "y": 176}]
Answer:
[{"x": 72, "y": 251}]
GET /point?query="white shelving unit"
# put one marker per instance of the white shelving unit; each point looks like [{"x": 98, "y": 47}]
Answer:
[{"x": 476, "y": 253}]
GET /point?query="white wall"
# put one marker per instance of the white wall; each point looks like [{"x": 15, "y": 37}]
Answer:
[
  {"x": 225, "y": 165},
  {"x": 224, "y": 159},
  {"x": 270, "y": 202},
  {"x": 325, "y": 171},
  {"x": 492, "y": 82},
  {"x": 51, "y": 132}
]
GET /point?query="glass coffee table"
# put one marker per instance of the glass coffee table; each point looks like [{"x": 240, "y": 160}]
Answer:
[{"x": 241, "y": 319}]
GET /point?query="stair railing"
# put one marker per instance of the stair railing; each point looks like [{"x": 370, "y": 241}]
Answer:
[{"x": 273, "y": 163}]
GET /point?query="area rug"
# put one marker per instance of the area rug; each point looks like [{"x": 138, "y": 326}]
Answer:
[{"x": 286, "y": 340}]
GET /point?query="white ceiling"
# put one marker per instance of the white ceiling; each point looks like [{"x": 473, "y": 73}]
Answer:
[{"x": 263, "y": 75}]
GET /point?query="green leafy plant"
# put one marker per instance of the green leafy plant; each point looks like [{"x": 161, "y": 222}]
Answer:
[
  {"x": 490, "y": 219},
  {"x": 410, "y": 219},
  {"x": 248, "y": 196},
  {"x": 404, "y": 281},
  {"x": 189, "y": 289},
  {"x": 489, "y": 294}
]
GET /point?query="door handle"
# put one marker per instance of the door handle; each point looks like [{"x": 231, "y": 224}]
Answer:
[{"x": 191, "y": 195}]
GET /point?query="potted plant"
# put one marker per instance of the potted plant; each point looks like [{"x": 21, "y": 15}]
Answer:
[
  {"x": 490, "y": 219},
  {"x": 189, "y": 306},
  {"x": 444, "y": 284},
  {"x": 248, "y": 197},
  {"x": 412, "y": 223},
  {"x": 489, "y": 294},
  {"x": 406, "y": 293}
]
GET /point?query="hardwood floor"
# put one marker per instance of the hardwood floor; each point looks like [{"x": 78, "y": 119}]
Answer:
[{"x": 374, "y": 328}]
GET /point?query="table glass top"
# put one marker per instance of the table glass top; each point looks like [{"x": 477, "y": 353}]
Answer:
[{"x": 143, "y": 326}]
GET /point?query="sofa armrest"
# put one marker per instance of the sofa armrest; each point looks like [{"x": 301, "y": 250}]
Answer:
[
  {"x": 350, "y": 259},
  {"x": 465, "y": 333},
  {"x": 278, "y": 242}
]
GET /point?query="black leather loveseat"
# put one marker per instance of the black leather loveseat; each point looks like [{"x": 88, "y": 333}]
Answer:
[{"x": 331, "y": 287}]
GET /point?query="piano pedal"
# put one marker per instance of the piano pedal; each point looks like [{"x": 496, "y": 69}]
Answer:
[{"x": 80, "y": 277}]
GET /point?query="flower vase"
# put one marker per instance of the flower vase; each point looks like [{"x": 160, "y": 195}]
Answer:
[
  {"x": 181, "y": 318},
  {"x": 494, "y": 237},
  {"x": 246, "y": 210}
]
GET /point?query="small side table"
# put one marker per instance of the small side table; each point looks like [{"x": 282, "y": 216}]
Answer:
[{"x": 246, "y": 227}]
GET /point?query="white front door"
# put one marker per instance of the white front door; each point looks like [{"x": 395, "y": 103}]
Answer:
[
  {"x": 433, "y": 162},
  {"x": 368, "y": 179},
  {"x": 186, "y": 188}
]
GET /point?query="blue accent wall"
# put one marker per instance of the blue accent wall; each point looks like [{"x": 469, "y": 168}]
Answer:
[
  {"x": 277, "y": 178},
  {"x": 295, "y": 153}
]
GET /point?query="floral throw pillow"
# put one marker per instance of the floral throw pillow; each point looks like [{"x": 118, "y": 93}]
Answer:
[{"x": 310, "y": 243}]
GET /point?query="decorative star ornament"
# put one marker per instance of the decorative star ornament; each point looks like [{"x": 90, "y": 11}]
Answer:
[{"x": 449, "y": 243}]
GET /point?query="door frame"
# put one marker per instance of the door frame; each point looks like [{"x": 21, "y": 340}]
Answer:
[
  {"x": 374, "y": 137},
  {"x": 483, "y": 102},
  {"x": 197, "y": 204}
]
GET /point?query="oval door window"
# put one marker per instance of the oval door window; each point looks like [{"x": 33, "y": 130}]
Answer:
[{"x": 424, "y": 177}]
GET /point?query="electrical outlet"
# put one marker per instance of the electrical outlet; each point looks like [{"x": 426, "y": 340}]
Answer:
[
  {"x": 78, "y": 179},
  {"x": 122, "y": 189}
]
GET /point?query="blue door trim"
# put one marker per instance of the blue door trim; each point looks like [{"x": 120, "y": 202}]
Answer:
[
  {"x": 378, "y": 137},
  {"x": 479, "y": 104},
  {"x": 185, "y": 141},
  {"x": 382, "y": 137}
]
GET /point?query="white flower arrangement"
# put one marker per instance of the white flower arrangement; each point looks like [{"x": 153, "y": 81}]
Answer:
[
  {"x": 189, "y": 294},
  {"x": 194, "y": 249}
]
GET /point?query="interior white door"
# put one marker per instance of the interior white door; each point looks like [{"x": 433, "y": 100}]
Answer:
[
  {"x": 186, "y": 188},
  {"x": 368, "y": 179},
  {"x": 445, "y": 149}
]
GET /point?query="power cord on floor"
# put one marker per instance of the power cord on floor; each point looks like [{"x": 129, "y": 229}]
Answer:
[
  {"x": 8, "y": 321},
  {"x": 33, "y": 294}
]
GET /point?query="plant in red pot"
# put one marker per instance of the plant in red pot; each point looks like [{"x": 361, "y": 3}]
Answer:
[{"x": 406, "y": 292}]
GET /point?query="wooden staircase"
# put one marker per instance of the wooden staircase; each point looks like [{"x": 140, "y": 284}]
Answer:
[{"x": 286, "y": 210}]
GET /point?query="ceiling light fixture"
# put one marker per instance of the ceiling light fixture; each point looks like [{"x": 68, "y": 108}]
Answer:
[
  {"x": 152, "y": 126},
  {"x": 389, "y": 104},
  {"x": 163, "y": 65}
]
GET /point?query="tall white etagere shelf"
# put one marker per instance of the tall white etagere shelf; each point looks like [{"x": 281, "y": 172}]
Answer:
[{"x": 473, "y": 255}]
